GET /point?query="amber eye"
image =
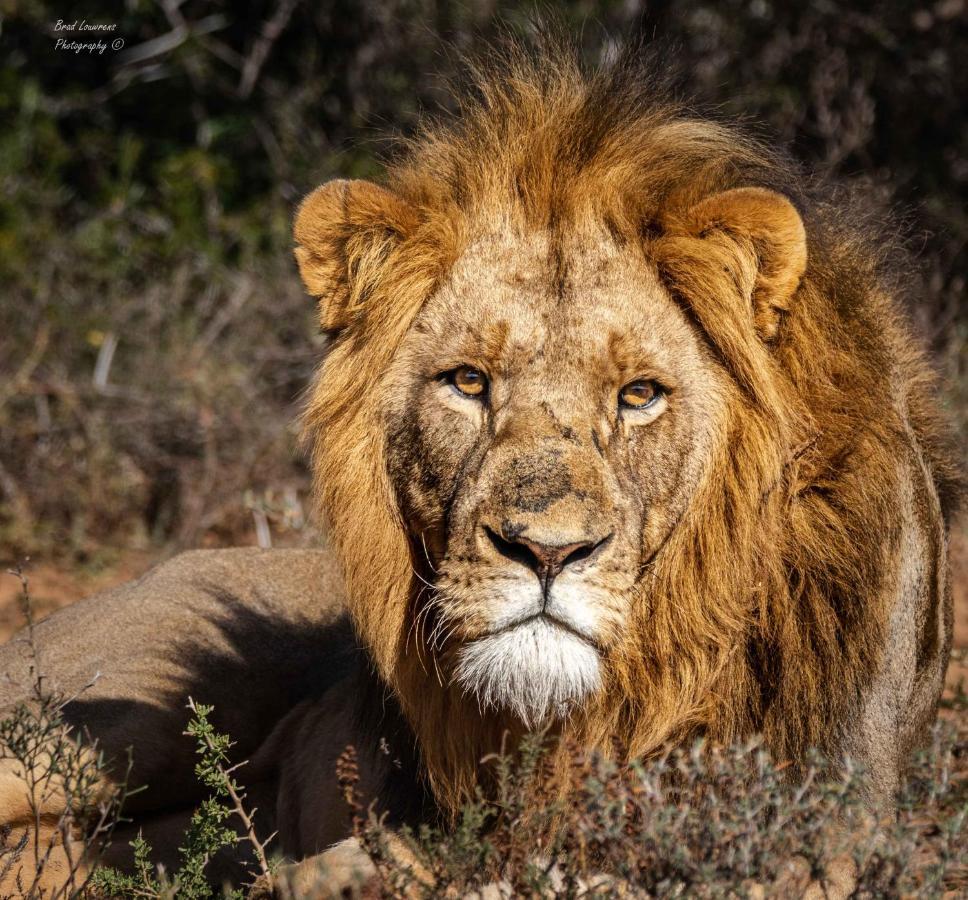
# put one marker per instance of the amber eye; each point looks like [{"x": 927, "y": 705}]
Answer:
[
  {"x": 469, "y": 381},
  {"x": 640, "y": 394}
]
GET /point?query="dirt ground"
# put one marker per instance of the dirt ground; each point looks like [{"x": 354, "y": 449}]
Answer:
[
  {"x": 55, "y": 586},
  {"x": 958, "y": 668}
]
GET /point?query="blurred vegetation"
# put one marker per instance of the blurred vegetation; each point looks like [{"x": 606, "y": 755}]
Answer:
[{"x": 154, "y": 338}]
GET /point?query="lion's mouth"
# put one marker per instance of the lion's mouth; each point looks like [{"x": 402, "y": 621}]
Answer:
[{"x": 546, "y": 618}]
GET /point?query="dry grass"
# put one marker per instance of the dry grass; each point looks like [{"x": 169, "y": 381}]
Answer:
[{"x": 699, "y": 822}]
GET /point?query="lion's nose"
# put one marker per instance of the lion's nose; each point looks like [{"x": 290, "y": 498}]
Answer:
[{"x": 545, "y": 560}]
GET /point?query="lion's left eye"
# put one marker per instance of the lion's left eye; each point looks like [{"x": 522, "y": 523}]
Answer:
[{"x": 640, "y": 394}]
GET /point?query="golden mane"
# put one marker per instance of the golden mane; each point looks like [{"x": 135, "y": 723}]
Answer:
[{"x": 762, "y": 613}]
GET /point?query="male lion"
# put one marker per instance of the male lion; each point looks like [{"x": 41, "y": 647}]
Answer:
[{"x": 620, "y": 433}]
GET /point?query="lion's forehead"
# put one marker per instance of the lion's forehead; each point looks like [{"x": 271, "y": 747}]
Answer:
[{"x": 556, "y": 303}]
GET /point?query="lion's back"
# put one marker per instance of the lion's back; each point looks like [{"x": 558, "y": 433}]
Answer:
[{"x": 251, "y": 632}]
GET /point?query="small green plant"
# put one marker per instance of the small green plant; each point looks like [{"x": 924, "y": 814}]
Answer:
[{"x": 208, "y": 832}]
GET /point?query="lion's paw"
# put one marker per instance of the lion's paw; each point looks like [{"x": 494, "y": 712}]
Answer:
[{"x": 344, "y": 870}]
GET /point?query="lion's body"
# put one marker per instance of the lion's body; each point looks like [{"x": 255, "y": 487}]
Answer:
[
  {"x": 759, "y": 546},
  {"x": 263, "y": 637},
  {"x": 200, "y": 626}
]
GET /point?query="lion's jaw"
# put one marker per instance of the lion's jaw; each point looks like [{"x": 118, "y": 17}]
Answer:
[
  {"x": 538, "y": 670},
  {"x": 539, "y": 655},
  {"x": 535, "y": 653},
  {"x": 550, "y": 461}
]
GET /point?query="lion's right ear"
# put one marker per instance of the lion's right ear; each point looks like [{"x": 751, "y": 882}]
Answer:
[{"x": 344, "y": 232}]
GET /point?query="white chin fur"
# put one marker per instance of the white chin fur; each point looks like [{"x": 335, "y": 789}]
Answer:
[{"x": 537, "y": 670}]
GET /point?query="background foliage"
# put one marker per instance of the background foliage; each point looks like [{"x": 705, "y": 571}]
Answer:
[{"x": 154, "y": 339}]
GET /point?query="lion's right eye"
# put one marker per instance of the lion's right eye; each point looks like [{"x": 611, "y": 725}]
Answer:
[{"x": 469, "y": 381}]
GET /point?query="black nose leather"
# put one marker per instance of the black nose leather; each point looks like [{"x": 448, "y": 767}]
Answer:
[{"x": 545, "y": 560}]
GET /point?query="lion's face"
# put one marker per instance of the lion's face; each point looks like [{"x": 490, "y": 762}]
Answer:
[
  {"x": 549, "y": 413},
  {"x": 521, "y": 434}
]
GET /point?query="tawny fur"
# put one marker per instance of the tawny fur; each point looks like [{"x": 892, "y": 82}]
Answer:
[{"x": 767, "y": 609}]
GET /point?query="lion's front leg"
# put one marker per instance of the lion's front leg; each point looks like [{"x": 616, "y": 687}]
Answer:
[{"x": 45, "y": 814}]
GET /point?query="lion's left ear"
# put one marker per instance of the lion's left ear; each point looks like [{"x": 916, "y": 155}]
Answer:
[{"x": 763, "y": 233}]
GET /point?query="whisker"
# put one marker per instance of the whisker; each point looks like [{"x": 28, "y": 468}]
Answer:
[
  {"x": 438, "y": 627},
  {"x": 423, "y": 616},
  {"x": 440, "y": 678},
  {"x": 444, "y": 637},
  {"x": 427, "y": 554},
  {"x": 411, "y": 632},
  {"x": 429, "y": 584}
]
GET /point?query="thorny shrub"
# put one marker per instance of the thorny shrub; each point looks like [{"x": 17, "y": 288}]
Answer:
[
  {"x": 212, "y": 828},
  {"x": 52, "y": 759},
  {"x": 37, "y": 743}
]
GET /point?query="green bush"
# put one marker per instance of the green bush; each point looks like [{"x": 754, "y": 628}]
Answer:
[{"x": 210, "y": 830}]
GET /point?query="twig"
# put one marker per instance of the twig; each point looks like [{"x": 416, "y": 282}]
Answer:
[
  {"x": 250, "y": 832},
  {"x": 263, "y": 535},
  {"x": 221, "y": 319},
  {"x": 238, "y": 798},
  {"x": 263, "y": 45},
  {"x": 172, "y": 9},
  {"x": 172, "y": 39},
  {"x": 105, "y": 356},
  {"x": 17, "y": 498},
  {"x": 22, "y": 376}
]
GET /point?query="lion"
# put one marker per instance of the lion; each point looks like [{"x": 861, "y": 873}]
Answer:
[{"x": 620, "y": 433}]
